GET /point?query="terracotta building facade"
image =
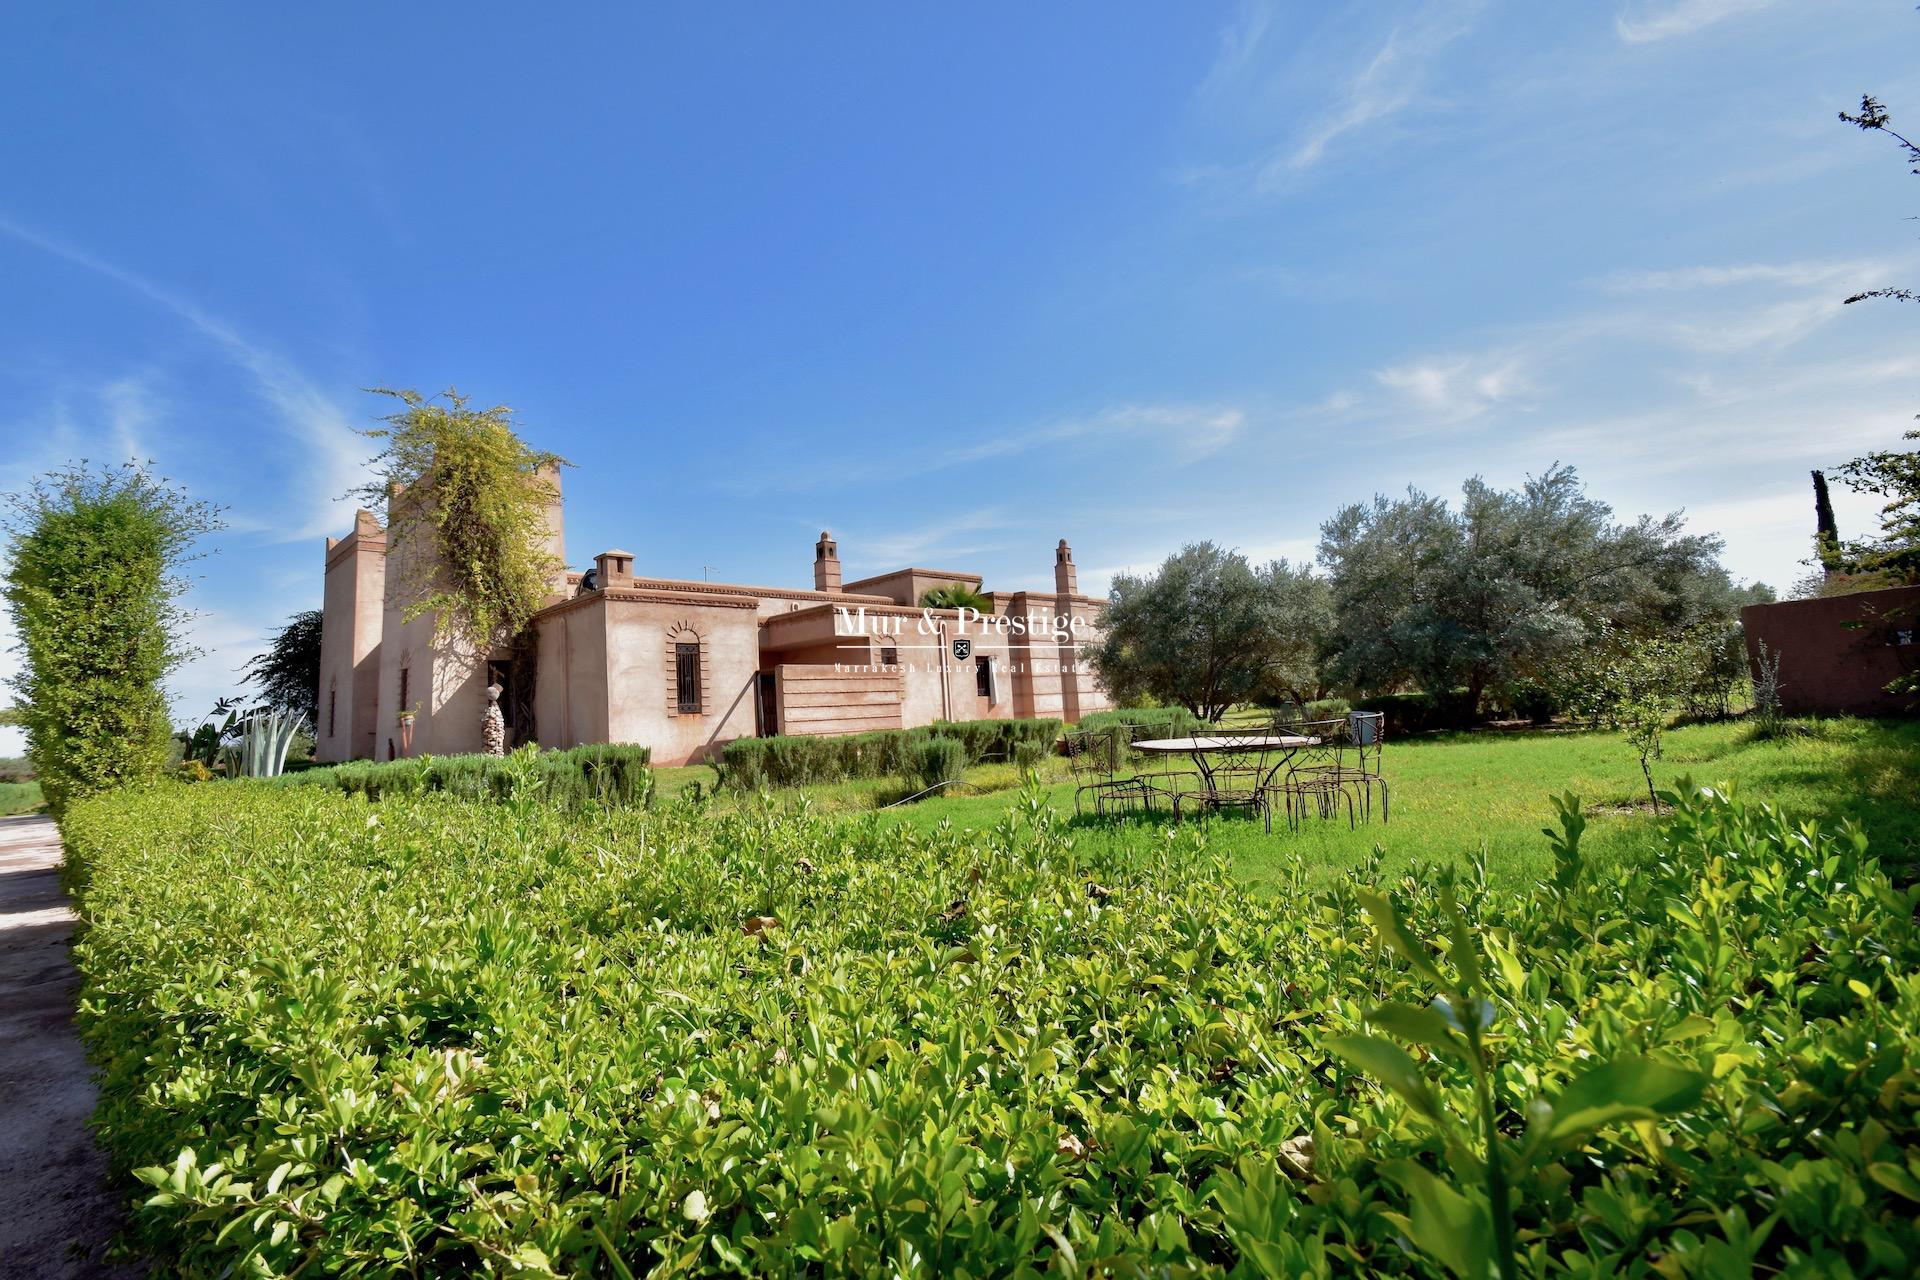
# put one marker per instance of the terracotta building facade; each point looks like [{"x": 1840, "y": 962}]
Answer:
[{"x": 685, "y": 667}]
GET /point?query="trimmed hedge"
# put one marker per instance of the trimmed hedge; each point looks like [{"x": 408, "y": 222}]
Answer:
[
  {"x": 598, "y": 774},
  {"x": 749, "y": 764}
]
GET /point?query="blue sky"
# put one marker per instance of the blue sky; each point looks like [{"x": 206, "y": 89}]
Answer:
[{"x": 956, "y": 283}]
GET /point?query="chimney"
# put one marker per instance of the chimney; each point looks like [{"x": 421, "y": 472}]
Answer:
[
  {"x": 1066, "y": 579},
  {"x": 826, "y": 563},
  {"x": 613, "y": 567}
]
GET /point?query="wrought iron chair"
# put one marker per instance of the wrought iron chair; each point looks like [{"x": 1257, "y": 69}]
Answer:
[
  {"x": 1095, "y": 755},
  {"x": 1366, "y": 742},
  {"x": 1161, "y": 776},
  {"x": 1354, "y": 764},
  {"x": 1313, "y": 781},
  {"x": 1236, "y": 775}
]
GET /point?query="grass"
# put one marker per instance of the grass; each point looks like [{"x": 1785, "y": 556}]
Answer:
[
  {"x": 1456, "y": 793},
  {"x": 20, "y": 797}
]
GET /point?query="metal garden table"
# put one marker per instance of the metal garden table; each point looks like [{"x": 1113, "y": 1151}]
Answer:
[{"x": 1277, "y": 746}]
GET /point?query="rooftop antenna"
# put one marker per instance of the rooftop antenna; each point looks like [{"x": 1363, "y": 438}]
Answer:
[{"x": 706, "y": 573}]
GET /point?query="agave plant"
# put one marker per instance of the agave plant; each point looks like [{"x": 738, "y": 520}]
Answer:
[{"x": 265, "y": 737}]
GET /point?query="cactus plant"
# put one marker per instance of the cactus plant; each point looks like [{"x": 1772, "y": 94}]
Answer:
[{"x": 265, "y": 737}]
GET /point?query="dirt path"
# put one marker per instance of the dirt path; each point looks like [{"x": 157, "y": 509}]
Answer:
[{"x": 56, "y": 1212}]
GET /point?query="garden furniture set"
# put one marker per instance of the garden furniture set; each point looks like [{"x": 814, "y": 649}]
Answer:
[{"x": 1298, "y": 768}]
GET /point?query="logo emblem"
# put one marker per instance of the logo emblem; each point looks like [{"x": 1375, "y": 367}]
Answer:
[{"x": 962, "y": 649}]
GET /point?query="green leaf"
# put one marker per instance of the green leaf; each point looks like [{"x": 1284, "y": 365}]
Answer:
[
  {"x": 1397, "y": 936},
  {"x": 1623, "y": 1089},
  {"x": 1895, "y": 1179},
  {"x": 1389, "y": 1064},
  {"x": 1422, "y": 1026},
  {"x": 1445, "y": 1224},
  {"x": 1464, "y": 951}
]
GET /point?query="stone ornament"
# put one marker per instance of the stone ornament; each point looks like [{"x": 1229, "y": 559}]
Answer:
[{"x": 493, "y": 726}]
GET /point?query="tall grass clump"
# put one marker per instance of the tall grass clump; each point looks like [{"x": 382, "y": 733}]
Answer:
[
  {"x": 749, "y": 764},
  {"x": 936, "y": 762},
  {"x": 595, "y": 775}
]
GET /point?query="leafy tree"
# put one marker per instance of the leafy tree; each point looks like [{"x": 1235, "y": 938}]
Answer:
[
  {"x": 1893, "y": 556},
  {"x": 955, "y": 595},
  {"x": 93, "y": 590},
  {"x": 1200, "y": 632},
  {"x": 1302, "y": 616},
  {"x": 1635, "y": 683},
  {"x": 288, "y": 673},
  {"x": 467, "y": 483},
  {"x": 1499, "y": 592}
]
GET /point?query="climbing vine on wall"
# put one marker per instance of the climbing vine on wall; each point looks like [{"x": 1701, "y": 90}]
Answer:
[{"x": 464, "y": 478}]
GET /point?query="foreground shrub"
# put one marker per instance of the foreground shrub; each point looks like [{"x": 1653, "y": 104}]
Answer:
[{"x": 437, "y": 1038}]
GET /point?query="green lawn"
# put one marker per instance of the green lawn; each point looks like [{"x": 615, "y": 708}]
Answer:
[
  {"x": 20, "y": 797},
  {"x": 1455, "y": 793}
]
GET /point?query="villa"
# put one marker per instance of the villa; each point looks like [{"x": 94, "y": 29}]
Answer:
[{"x": 685, "y": 667}]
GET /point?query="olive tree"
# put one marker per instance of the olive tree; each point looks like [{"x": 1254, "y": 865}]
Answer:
[
  {"x": 1205, "y": 631},
  {"x": 1503, "y": 588},
  {"x": 1302, "y": 615},
  {"x": 93, "y": 587}
]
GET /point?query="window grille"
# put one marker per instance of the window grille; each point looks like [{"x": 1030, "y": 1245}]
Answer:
[{"x": 686, "y": 663}]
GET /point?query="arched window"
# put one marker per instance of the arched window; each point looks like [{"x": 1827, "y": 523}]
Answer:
[
  {"x": 686, "y": 673},
  {"x": 889, "y": 654},
  {"x": 686, "y": 670},
  {"x": 333, "y": 696}
]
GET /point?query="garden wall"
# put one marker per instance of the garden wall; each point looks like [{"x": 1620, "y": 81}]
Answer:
[
  {"x": 1837, "y": 654},
  {"x": 817, "y": 700}
]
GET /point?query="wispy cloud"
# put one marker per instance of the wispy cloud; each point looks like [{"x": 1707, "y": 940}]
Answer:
[
  {"x": 1240, "y": 42},
  {"x": 1811, "y": 274},
  {"x": 960, "y": 535},
  {"x": 1649, "y": 20},
  {"x": 1199, "y": 430},
  {"x": 1182, "y": 433},
  {"x": 1770, "y": 305},
  {"x": 1456, "y": 388},
  {"x": 131, "y": 409},
  {"x": 334, "y": 455},
  {"x": 1389, "y": 81}
]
